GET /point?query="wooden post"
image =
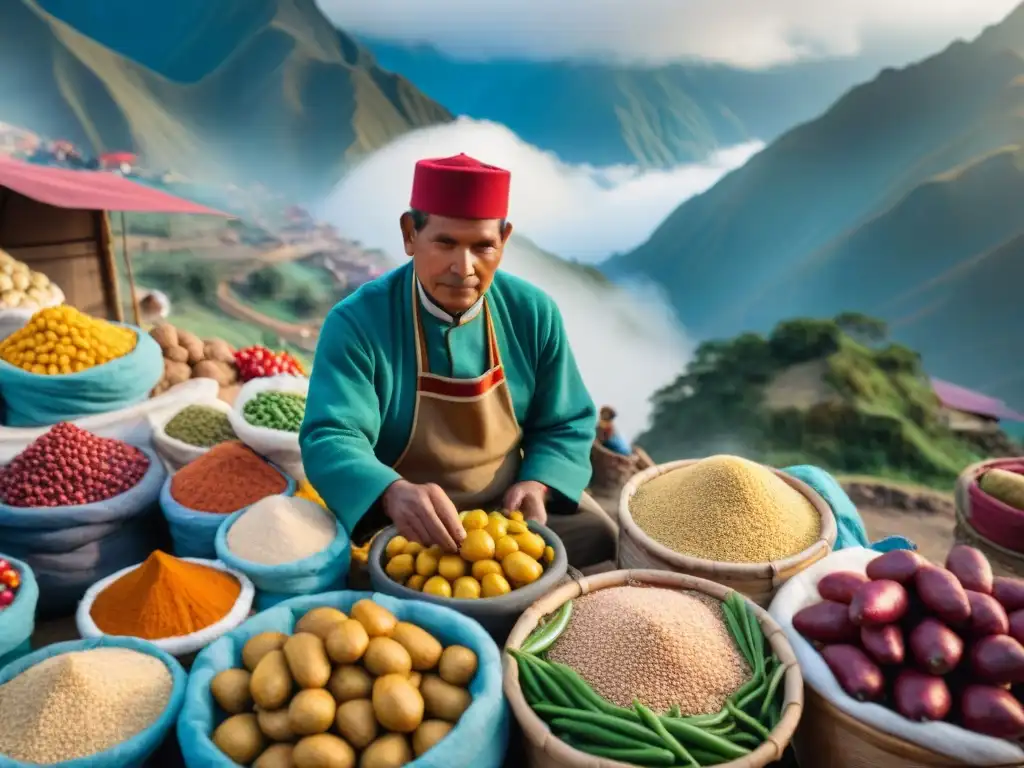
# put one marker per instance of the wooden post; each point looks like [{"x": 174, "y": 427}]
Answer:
[
  {"x": 136, "y": 309},
  {"x": 108, "y": 268}
]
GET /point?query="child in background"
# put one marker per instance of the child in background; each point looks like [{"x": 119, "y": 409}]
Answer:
[{"x": 606, "y": 434}]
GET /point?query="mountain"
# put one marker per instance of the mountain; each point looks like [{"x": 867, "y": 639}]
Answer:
[
  {"x": 607, "y": 114},
  {"x": 904, "y": 200},
  {"x": 243, "y": 90}
]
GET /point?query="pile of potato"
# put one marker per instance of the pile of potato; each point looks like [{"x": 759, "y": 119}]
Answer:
[
  {"x": 186, "y": 357},
  {"x": 23, "y": 288},
  {"x": 342, "y": 690}
]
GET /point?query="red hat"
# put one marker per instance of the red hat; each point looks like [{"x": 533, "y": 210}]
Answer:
[{"x": 460, "y": 187}]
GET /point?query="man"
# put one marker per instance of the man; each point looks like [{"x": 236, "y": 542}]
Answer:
[{"x": 446, "y": 385}]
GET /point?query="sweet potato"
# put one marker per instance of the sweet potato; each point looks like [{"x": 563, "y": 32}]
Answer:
[
  {"x": 193, "y": 346},
  {"x": 176, "y": 354},
  {"x": 212, "y": 369},
  {"x": 219, "y": 350},
  {"x": 166, "y": 335}
]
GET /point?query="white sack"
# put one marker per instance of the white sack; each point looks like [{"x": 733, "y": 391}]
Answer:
[
  {"x": 280, "y": 448},
  {"x": 177, "y": 453}
]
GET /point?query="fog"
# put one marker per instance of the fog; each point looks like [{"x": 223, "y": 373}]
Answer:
[{"x": 627, "y": 344}]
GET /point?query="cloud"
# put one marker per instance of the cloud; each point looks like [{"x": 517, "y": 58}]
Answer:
[
  {"x": 627, "y": 344},
  {"x": 750, "y": 33},
  {"x": 576, "y": 211}
]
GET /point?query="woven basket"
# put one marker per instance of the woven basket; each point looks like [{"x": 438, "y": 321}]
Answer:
[
  {"x": 1004, "y": 562},
  {"x": 612, "y": 470},
  {"x": 544, "y": 750},
  {"x": 830, "y": 738},
  {"x": 758, "y": 581}
]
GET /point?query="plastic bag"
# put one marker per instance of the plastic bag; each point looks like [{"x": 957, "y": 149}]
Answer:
[
  {"x": 34, "y": 400},
  {"x": 176, "y": 646},
  {"x": 18, "y": 620},
  {"x": 194, "y": 532},
  {"x": 945, "y": 738},
  {"x": 16, "y": 318},
  {"x": 281, "y": 448},
  {"x": 134, "y": 752},
  {"x": 325, "y": 571},
  {"x": 177, "y": 453},
  {"x": 478, "y": 740},
  {"x": 129, "y": 424}
]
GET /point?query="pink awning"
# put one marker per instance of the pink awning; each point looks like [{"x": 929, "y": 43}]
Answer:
[
  {"x": 91, "y": 190},
  {"x": 962, "y": 399}
]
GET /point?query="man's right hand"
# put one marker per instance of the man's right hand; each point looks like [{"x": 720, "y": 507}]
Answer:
[{"x": 424, "y": 513}]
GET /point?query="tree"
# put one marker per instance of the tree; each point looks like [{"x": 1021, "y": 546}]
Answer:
[
  {"x": 897, "y": 358},
  {"x": 803, "y": 339},
  {"x": 863, "y": 327},
  {"x": 266, "y": 283},
  {"x": 305, "y": 301}
]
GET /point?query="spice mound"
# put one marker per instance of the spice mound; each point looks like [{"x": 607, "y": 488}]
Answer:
[
  {"x": 69, "y": 466},
  {"x": 10, "y": 583},
  {"x": 60, "y": 340},
  {"x": 276, "y": 410},
  {"x": 225, "y": 479},
  {"x": 165, "y": 597},
  {"x": 726, "y": 509},
  {"x": 663, "y": 647},
  {"x": 201, "y": 426},
  {"x": 279, "y": 529},
  {"x": 80, "y": 703}
]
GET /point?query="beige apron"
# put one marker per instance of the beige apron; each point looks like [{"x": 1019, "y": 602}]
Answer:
[{"x": 464, "y": 437}]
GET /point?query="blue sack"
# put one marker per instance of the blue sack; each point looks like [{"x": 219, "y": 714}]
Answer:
[
  {"x": 134, "y": 752},
  {"x": 325, "y": 571},
  {"x": 18, "y": 620},
  {"x": 37, "y": 400},
  {"x": 851, "y": 531},
  {"x": 194, "y": 533},
  {"x": 478, "y": 740}
]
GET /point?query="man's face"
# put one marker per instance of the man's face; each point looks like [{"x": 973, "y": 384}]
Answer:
[{"x": 455, "y": 259}]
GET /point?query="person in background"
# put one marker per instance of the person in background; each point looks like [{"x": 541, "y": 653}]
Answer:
[
  {"x": 607, "y": 436},
  {"x": 447, "y": 385}
]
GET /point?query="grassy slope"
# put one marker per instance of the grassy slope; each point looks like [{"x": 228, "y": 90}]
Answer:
[{"x": 305, "y": 97}]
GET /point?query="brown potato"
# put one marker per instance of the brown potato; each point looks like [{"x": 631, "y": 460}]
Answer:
[
  {"x": 442, "y": 700},
  {"x": 240, "y": 738},
  {"x": 275, "y": 724},
  {"x": 398, "y": 706},
  {"x": 390, "y": 751},
  {"x": 385, "y": 656},
  {"x": 176, "y": 354},
  {"x": 192, "y": 345},
  {"x": 258, "y": 646},
  {"x": 271, "y": 683},
  {"x": 311, "y": 712},
  {"x": 424, "y": 649},
  {"x": 275, "y": 756},
  {"x": 458, "y": 665},
  {"x": 350, "y": 682},
  {"x": 320, "y": 621},
  {"x": 325, "y": 750},
  {"x": 357, "y": 723},
  {"x": 347, "y": 642},
  {"x": 230, "y": 690},
  {"x": 211, "y": 369},
  {"x": 307, "y": 660},
  {"x": 415, "y": 678},
  {"x": 176, "y": 373},
  {"x": 376, "y": 620},
  {"x": 428, "y": 734},
  {"x": 166, "y": 335},
  {"x": 220, "y": 350}
]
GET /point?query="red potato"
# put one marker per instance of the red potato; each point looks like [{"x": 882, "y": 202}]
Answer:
[
  {"x": 920, "y": 697},
  {"x": 935, "y": 647},
  {"x": 988, "y": 617},
  {"x": 879, "y": 602},
  {"x": 942, "y": 594},
  {"x": 992, "y": 711},
  {"x": 825, "y": 622},
  {"x": 840, "y": 586},
  {"x": 971, "y": 568},
  {"x": 1016, "y": 626},
  {"x": 900, "y": 566},
  {"x": 998, "y": 659},
  {"x": 856, "y": 673},
  {"x": 884, "y": 644},
  {"x": 1009, "y": 592}
]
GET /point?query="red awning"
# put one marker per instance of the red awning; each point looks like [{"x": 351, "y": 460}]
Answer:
[
  {"x": 118, "y": 157},
  {"x": 91, "y": 190}
]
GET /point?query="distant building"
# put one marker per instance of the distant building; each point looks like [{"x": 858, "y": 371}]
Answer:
[
  {"x": 122, "y": 162},
  {"x": 969, "y": 411}
]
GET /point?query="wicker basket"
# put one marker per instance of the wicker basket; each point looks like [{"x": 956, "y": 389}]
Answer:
[
  {"x": 612, "y": 470},
  {"x": 845, "y": 742},
  {"x": 758, "y": 581},
  {"x": 1004, "y": 562},
  {"x": 544, "y": 750}
]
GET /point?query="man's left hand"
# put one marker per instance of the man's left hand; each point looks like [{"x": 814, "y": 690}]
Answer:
[{"x": 528, "y": 497}]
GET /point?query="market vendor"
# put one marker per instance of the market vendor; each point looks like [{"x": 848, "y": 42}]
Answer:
[{"x": 447, "y": 385}]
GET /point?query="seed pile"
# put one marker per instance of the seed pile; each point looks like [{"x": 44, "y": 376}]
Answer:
[
  {"x": 224, "y": 479},
  {"x": 200, "y": 425},
  {"x": 279, "y": 529},
  {"x": 276, "y": 410},
  {"x": 80, "y": 703},
  {"x": 60, "y": 340},
  {"x": 726, "y": 509},
  {"x": 69, "y": 466},
  {"x": 661, "y": 646}
]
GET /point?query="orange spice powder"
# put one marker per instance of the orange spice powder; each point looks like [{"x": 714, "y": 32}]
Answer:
[
  {"x": 225, "y": 479},
  {"x": 165, "y": 597}
]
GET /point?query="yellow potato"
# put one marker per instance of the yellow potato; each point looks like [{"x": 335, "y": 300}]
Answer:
[
  {"x": 356, "y": 722},
  {"x": 400, "y": 567},
  {"x": 478, "y": 545},
  {"x": 497, "y": 526},
  {"x": 385, "y": 656},
  {"x": 442, "y": 700},
  {"x": 377, "y": 620},
  {"x": 389, "y": 751},
  {"x": 311, "y": 712},
  {"x": 437, "y": 585},
  {"x": 259, "y": 646},
  {"x": 531, "y": 543},
  {"x": 325, "y": 750},
  {"x": 397, "y": 705},
  {"x": 320, "y": 621},
  {"x": 416, "y": 582},
  {"x": 474, "y": 520},
  {"x": 521, "y": 568},
  {"x": 307, "y": 660},
  {"x": 451, "y": 567},
  {"x": 482, "y": 567},
  {"x": 275, "y": 725},
  {"x": 350, "y": 682},
  {"x": 494, "y": 585},
  {"x": 517, "y": 516},
  {"x": 549, "y": 555},
  {"x": 239, "y": 737},
  {"x": 276, "y": 756},
  {"x": 395, "y": 546},
  {"x": 415, "y": 678},
  {"x": 504, "y": 547},
  {"x": 466, "y": 588},
  {"x": 516, "y": 527},
  {"x": 230, "y": 689},
  {"x": 428, "y": 734},
  {"x": 347, "y": 643},
  {"x": 458, "y": 665},
  {"x": 423, "y": 648},
  {"x": 271, "y": 682},
  {"x": 426, "y": 563},
  {"x": 413, "y": 548}
]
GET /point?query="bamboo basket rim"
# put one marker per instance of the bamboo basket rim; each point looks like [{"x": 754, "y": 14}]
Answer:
[
  {"x": 793, "y": 682},
  {"x": 767, "y": 570},
  {"x": 973, "y": 532},
  {"x": 886, "y": 742},
  {"x": 620, "y": 457}
]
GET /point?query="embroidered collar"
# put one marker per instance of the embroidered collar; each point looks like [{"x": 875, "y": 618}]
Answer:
[{"x": 441, "y": 314}]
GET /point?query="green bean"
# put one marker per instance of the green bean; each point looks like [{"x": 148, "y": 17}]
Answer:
[
  {"x": 548, "y": 686},
  {"x": 744, "y": 719},
  {"x": 742, "y": 737},
  {"x": 706, "y": 758},
  {"x": 702, "y": 739},
  {"x": 625, "y": 727},
  {"x": 753, "y": 695},
  {"x": 528, "y": 682},
  {"x": 575, "y": 688},
  {"x": 721, "y": 730},
  {"x": 756, "y": 634},
  {"x": 738, "y": 636},
  {"x": 774, "y": 714},
  {"x": 707, "y": 720},
  {"x": 652, "y": 721},
  {"x": 545, "y": 636},
  {"x": 596, "y": 734},
  {"x": 584, "y": 690},
  {"x": 773, "y": 686},
  {"x": 652, "y": 756}
]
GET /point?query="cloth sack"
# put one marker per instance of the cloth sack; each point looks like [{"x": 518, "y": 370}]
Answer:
[
  {"x": 136, "y": 751},
  {"x": 193, "y": 532},
  {"x": 945, "y": 738},
  {"x": 16, "y": 318},
  {"x": 130, "y": 424},
  {"x": 282, "y": 448},
  {"x": 324, "y": 571},
  {"x": 851, "y": 531},
  {"x": 34, "y": 400},
  {"x": 177, "y": 453},
  {"x": 479, "y": 740},
  {"x": 176, "y": 646},
  {"x": 18, "y": 620}
]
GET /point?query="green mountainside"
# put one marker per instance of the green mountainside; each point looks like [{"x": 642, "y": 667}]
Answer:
[
  {"x": 261, "y": 91},
  {"x": 904, "y": 200}
]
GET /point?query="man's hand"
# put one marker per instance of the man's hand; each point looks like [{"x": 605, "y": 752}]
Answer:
[
  {"x": 528, "y": 497},
  {"x": 424, "y": 513}
]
